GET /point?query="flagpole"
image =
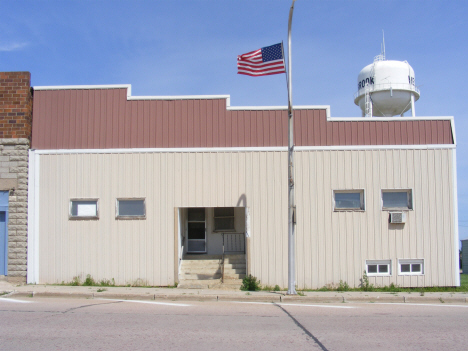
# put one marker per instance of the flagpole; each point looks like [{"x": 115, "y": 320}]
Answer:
[{"x": 291, "y": 204}]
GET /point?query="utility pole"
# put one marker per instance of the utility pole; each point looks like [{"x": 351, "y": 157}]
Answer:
[{"x": 291, "y": 204}]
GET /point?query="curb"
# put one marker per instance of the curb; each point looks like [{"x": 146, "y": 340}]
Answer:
[
  {"x": 271, "y": 298},
  {"x": 312, "y": 299},
  {"x": 373, "y": 299}
]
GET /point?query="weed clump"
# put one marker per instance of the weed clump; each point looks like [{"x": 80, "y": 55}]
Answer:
[
  {"x": 365, "y": 285},
  {"x": 89, "y": 281},
  {"x": 107, "y": 282},
  {"x": 343, "y": 286},
  {"x": 250, "y": 283}
]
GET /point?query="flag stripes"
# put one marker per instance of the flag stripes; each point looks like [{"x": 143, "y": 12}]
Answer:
[{"x": 262, "y": 62}]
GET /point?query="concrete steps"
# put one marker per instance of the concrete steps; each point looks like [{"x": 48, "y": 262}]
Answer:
[{"x": 205, "y": 272}]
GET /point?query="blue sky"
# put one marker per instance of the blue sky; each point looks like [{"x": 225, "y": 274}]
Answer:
[{"x": 190, "y": 48}]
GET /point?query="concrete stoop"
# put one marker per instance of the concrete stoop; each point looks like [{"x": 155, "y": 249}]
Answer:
[{"x": 206, "y": 272}]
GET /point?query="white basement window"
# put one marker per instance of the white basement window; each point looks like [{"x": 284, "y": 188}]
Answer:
[
  {"x": 397, "y": 199},
  {"x": 84, "y": 209},
  {"x": 411, "y": 267},
  {"x": 224, "y": 218},
  {"x": 131, "y": 209},
  {"x": 378, "y": 267},
  {"x": 348, "y": 200}
]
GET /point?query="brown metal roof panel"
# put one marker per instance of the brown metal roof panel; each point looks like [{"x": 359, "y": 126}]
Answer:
[
  {"x": 360, "y": 135},
  {"x": 366, "y": 134},
  {"x": 354, "y": 134},
  {"x": 404, "y": 132},
  {"x": 104, "y": 118},
  {"x": 178, "y": 123},
  {"x": 223, "y": 131},
  {"x": 410, "y": 132},
  {"x": 329, "y": 134},
  {"x": 440, "y": 132},
  {"x": 448, "y": 138},
  {"x": 428, "y": 132}
]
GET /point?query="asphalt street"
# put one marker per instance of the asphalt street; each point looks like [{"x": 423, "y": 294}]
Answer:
[{"x": 112, "y": 324}]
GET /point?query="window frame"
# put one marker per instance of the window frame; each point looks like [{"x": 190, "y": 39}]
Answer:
[
  {"x": 411, "y": 261},
  {"x": 387, "y": 263},
  {"x": 409, "y": 199},
  {"x": 233, "y": 229},
  {"x": 129, "y": 217},
  {"x": 362, "y": 198},
  {"x": 76, "y": 217}
]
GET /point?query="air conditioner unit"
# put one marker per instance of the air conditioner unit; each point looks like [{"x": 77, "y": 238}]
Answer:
[{"x": 397, "y": 217}]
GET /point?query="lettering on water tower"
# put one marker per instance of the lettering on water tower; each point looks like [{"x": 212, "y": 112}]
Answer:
[
  {"x": 365, "y": 82},
  {"x": 370, "y": 81}
]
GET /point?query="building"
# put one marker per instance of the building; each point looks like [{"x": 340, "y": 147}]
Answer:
[
  {"x": 15, "y": 135},
  {"x": 146, "y": 190},
  {"x": 464, "y": 256}
]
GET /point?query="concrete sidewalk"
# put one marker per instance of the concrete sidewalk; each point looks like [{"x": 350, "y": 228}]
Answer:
[{"x": 172, "y": 294}]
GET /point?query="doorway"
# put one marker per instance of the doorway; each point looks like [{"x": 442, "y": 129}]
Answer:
[{"x": 196, "y": 230}]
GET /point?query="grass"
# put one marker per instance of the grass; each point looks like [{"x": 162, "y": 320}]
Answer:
[
  {"x": 392, "y": 288},
  {"x": 254, "y": 285}
]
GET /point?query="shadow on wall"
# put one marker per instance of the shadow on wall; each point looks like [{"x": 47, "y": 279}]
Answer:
[{"x": 242, "y": 200}]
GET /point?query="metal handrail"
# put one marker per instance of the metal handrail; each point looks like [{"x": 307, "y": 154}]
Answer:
[
  {"x": 224, "y": 252},
  {"x": 222, "y": 264},
  {"x": 238, "y": 234}
]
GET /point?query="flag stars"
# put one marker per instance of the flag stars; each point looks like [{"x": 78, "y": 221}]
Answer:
[{"x": 273, "y": 52}]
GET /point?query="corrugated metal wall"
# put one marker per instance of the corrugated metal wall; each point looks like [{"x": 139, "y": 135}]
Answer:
[
  {"x": 331, "y": 246},
  {"x": 104, "y": 119},
  {"x": 334, "y": 245}
]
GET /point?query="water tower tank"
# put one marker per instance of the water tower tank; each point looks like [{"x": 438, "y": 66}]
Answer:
[{"x": 386, "y": 88}]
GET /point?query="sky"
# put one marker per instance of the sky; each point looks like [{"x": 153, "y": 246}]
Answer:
[{"x": 190, "y": 47}]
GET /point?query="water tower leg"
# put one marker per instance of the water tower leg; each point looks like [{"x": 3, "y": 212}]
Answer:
[{"x": 413, "y": 113}]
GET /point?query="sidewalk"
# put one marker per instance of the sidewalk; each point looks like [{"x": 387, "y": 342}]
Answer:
[{"x": 172, "y": 294}]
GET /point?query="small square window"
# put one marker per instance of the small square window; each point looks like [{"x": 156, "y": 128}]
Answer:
[
  {"x": 131, "y": 209},
  {"x": 405, "y": 268},
  {"x": 378, "y": 267},
  {"x": 224, "y": 218},
  {"x": 372, "y": 268},
  {"x": 83, "y": 209},
  {"x": 383, "y": 268},
  {"x": 348, "y": 200},
  {"x": 397, "y": 199},
  {"x": 411, "y": 267}
]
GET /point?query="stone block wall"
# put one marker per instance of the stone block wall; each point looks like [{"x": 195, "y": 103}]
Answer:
[{"x": 15, "y": 136}]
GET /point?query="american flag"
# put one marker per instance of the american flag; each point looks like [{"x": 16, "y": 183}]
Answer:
[{"x": 262, "y": 62}]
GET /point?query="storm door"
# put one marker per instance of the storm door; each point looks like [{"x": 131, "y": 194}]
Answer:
[
  {"x": 3, "y": 244},
  {"x": 196, "y": 230}
]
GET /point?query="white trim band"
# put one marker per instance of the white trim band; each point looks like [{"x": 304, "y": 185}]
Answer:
[
  {"x": 33, "y": 219},
  {"x": 245, "y": 149}
]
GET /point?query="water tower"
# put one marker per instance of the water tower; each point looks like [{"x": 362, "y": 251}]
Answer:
[{"x": 386, "y": 88}]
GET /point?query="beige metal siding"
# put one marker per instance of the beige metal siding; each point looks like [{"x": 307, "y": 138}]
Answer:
[
  {"x": 331, "y": 246},
  {"x": 129, "y": 250}
]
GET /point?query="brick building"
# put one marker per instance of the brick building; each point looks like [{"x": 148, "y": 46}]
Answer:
[{"x": 15, "y": 136}]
